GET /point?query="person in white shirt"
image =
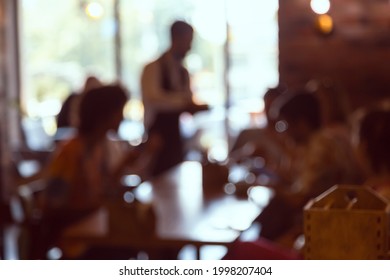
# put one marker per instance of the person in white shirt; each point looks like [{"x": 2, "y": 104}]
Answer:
[{"x": 166, "y": 93}]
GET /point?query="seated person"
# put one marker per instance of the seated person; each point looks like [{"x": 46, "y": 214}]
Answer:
[
  {"x": 80, "y": 174},
  {"x": 266, "y": 142},
  {"x": 326, "y": 159},
  {"x": 372, "y": 138},
  {"x": 261, "y": 249}
]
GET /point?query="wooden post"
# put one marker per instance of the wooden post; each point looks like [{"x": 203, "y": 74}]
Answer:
[
  {"x": 9, "y": 92},
  {"x": 118, "y": 41}
]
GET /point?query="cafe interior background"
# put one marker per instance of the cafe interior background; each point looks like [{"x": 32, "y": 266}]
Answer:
[{"x": 241, "y": 48}]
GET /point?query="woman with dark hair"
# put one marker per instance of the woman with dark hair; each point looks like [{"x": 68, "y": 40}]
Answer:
[
  {"x": 166, "y": 94},
  {"x": 80, "y": 175}
]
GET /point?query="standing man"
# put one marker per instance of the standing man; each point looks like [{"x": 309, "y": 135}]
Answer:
[{"x": 166, "y": 93}]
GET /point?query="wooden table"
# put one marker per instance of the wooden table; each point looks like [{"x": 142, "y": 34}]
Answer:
[{"x": 184, "y": 213}]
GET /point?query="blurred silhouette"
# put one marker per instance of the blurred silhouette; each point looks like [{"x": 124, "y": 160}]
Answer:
[
  {"x": 372, "y": 138},
  {"x": 166, "y": 94},
  {"x": 67, "y": 118},
  {"x": 335, "y": 105},
  {"x": 261, "y": 249},
  {"x": 81, "y": 173},
  {"x": 266, "y": 142},
  {"x": 324, "y": 159}
]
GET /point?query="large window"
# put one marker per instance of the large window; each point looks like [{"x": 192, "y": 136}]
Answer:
[
  {"x": 61, "y": 43},
  {"x": 253, "y": 50},
  {"x": 64, "y": 41}
]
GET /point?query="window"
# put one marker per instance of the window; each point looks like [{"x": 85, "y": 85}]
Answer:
[{"x": 64, "y": 41}]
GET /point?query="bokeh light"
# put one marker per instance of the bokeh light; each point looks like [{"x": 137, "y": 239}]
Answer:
[{"x": 94, "y": 10}]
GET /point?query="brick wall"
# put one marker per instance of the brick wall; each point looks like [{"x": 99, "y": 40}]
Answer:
[{"x": 356, "y": 55}]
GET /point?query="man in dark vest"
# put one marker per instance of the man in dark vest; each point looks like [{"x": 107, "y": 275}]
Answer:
[{"x": 166, "y": 93}]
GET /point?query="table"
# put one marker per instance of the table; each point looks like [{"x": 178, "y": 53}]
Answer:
[{"x": 184, "y": 214}]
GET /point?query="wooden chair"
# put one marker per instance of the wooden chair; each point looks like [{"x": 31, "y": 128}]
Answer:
[{"x": 26, "y": 215}]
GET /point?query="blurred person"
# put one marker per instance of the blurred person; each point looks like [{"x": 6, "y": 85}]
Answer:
[
  {"x": 80, "y": 174},
  {"x": 325, "y": 160},
  {"x": 68, "y": 115},
  {"x": 167, "y": 93},
  {"x": 260, "y": 249},
  {"x": 371, "y": 140},
  {"x": 335, "y": 107},
  {"x": 67, "y": 118},
  {"x": 265, "y": 142},
  {"x": 251, "y": 136}
]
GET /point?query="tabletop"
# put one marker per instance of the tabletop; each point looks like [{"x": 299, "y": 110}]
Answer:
[{"x": 184, "y": 213}]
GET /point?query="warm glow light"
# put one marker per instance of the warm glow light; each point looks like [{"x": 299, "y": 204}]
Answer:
[
  {"x": 320, "y": 6},
  {"x": 94, "y": 10},
  {"x": 325, "y": 24}
]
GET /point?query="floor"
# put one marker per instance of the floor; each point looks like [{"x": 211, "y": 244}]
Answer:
[{"x": 13, "y": 232}]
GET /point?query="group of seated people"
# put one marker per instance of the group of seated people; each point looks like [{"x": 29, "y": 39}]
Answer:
[
  {"x": 321, "y": 146},
  {"x": 309, "y": 147}
]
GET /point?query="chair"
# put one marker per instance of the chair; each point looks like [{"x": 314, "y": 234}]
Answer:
[
  {"x": 5, "y": 218},
  {"x": 26, "y": 215}
]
